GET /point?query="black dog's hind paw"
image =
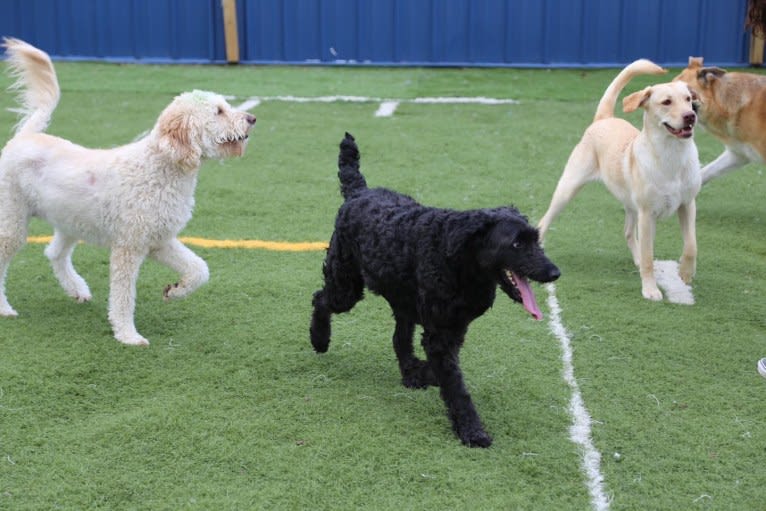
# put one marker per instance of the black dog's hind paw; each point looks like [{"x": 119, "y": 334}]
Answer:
[
  {"x": 419, "y": 376},
  {"x": 320, "y": 335}
]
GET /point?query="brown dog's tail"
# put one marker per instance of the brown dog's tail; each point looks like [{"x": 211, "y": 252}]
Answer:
[
  {"x": 35, "y": 82},
  {"x": 609, "y": 99}
]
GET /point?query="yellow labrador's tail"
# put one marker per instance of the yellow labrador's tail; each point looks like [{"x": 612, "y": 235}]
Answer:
[
  {"x": 609, "y": 99},
  {"x": 35, "y": 82}
]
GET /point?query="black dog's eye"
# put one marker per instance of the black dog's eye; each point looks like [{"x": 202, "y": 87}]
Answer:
[{"x": 516, "y": 244}]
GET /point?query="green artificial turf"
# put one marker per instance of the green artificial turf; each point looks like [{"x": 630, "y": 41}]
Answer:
[{"x": 229, "y": 408}]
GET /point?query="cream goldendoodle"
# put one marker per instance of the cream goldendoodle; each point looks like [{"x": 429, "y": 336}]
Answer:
[{"x": 134, "y": 199}]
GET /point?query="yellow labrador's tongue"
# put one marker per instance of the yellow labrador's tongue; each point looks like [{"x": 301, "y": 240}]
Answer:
[{"x": 527, "y": 296}]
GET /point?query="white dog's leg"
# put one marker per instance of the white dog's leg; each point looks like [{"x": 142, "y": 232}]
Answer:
[
  {"x": 124, "y": 264},
  {"x": 646, "y": 232},
  {"x": 687, "y": 215},
  {"x": 726, "y": 162},
  {"x": 192, "y": 268},
  {"x": 630, "y": 235},
  {"x": 59, "y": 252},
  {"x": 580, "y": 169},
  {"x": 13, "y": 235},
  {"x": 5, "y": 307}
]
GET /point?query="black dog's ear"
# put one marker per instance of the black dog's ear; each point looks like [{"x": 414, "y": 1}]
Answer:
[{"x": 464, "y": 231}]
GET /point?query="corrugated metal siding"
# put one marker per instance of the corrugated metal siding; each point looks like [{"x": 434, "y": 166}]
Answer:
[
  {"x": 388, "y": 32},
  {"x": 163, "y": 30}
]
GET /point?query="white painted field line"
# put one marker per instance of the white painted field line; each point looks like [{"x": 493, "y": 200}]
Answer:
[
  {"x": 387, "y": 109},
  {"x": 464, "y": 101},
  {"x": 580, "y": 431},
  {"x": 387, "y": 106},
  {"x": 249, "y": 104},
  {"x": 371, "y": 99}
]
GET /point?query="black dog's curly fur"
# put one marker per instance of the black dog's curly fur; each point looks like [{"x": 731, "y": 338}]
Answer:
[{"x": 436, "y": 267}]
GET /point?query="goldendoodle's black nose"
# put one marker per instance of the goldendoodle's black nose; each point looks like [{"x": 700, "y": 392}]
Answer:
[{"x": 250, "y": 119}]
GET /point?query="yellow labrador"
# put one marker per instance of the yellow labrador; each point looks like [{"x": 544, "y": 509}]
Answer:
[{"x": 653, "y": 172}]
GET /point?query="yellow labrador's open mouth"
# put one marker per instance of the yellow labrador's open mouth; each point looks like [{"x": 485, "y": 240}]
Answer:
[{"x": 682, "y": 132}]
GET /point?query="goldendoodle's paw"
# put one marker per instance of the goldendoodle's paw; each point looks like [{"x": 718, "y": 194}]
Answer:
[
  {"x": 82, "y": 297},
  {"x": 132, "y": 340},
  {"x": 172, "y": 291}
]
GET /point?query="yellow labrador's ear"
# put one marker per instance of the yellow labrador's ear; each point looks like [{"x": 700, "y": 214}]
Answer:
[
  {"x": 636, "y": 100},
  {"x": 178, "y": 136}
]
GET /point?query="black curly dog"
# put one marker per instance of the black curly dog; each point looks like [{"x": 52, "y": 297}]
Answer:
[{"x": 436, "y": 267}]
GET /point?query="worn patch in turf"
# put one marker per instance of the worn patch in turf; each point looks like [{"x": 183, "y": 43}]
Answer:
[{"x": 676, "y": 291}]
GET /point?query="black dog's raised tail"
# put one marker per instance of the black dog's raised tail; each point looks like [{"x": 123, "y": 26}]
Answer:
[{"x": 351, "y": 180}]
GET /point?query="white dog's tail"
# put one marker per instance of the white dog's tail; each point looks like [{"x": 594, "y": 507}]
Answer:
[
  {"x": 35, "y": 82},
  {"x": 609, "y": 99}
]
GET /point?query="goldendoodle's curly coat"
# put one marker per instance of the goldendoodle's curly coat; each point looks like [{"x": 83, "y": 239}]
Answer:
[{"x": 134, "y": 199}]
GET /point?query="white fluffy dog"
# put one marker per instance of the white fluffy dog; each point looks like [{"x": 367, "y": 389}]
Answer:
[{"x": 134, "y": 199}]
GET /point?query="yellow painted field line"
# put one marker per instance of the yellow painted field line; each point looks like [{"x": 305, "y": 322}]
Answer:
[{"x": 279, "y": 246}]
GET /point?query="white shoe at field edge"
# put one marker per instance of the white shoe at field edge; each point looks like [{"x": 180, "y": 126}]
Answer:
[{"x": 762, "y": 367}]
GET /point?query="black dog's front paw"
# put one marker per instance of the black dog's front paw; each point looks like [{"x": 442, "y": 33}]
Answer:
[
  {"x": 473, "y": 437},
  {"x": 419, "y": 376}
]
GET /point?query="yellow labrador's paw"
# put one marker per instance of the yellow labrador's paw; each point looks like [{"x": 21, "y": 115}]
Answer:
[
  {"x": 686, "y": 271},
  {"x": 651, "y": 293}
]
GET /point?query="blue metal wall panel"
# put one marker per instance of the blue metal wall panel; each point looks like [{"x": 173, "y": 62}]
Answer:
[
  {"x": 525, "y": 27},
  {"x": 395, "y": 32},
  {"x": 118, "y": 29}
]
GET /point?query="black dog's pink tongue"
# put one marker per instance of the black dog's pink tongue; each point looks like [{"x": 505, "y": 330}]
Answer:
[{"x": 527, "y": 297}]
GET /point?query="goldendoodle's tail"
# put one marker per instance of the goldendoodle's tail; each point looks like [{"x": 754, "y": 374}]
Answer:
[
  {"x": 351, "y": 180},
  {"x": 639, "y": 67},
  {"x": 35, "y": 82}
]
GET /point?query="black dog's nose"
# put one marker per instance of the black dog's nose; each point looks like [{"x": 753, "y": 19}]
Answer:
[{"x": 553, "y": 274}]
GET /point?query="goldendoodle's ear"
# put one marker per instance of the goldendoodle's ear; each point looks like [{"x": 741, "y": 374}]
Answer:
[
  {"x": 178, "y": 136},
  {"x": 636, "y": 100}
]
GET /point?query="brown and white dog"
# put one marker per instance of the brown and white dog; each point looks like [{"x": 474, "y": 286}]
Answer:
[
  {"x": 733, "y": 109},
  {"x": 653, "y": 172}
]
